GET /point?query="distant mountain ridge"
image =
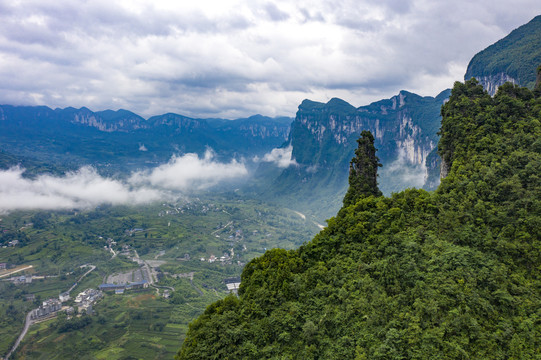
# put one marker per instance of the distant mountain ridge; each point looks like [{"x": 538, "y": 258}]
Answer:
[
  {"x": 124, "y": 138},
  {"x": 514, "y": 58}
]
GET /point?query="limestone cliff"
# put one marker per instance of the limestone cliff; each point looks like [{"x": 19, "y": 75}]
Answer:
[{"x": 324, "y": 136}]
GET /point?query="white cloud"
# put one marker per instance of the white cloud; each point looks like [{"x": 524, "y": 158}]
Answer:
[
  {"x": 190, "y": 172},
  {"x": 85, "y": 188},
  {"x": 403, "y": 173},
  {"x": 281, "y": 157},
  {"x": 81, "y": 189}
]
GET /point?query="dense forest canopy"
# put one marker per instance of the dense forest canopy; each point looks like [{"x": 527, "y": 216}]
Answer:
[{"x": 450, "y": 274}]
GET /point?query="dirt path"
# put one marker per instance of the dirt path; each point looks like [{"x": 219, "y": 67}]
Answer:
[
  {"x": 215, "y": 231},
  {"x": 16, "y": 271}
]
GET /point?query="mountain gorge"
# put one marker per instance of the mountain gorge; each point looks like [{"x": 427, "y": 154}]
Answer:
[{"x": 434, "y": 255}]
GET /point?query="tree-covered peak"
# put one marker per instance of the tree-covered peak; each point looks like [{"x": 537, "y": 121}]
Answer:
[{"x": 450, "y": 274}]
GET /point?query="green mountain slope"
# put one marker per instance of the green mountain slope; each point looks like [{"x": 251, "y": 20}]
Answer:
[
  {"x": 452, "y": 274},
  {"x": 513, "y": 58}
]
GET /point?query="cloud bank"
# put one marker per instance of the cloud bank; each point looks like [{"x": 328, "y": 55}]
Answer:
[
  {"x": 81, "y": 189},
  {"x": 281, "y": 157},
  {"x": 190, "y": 172},
  {"x": 403, "y": 173},
  {"x": 86, "y": 188},
  {"x": 214, "y": 58}
]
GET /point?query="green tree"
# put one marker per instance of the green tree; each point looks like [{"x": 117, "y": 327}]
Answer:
[{"x": 363, "y": 170}]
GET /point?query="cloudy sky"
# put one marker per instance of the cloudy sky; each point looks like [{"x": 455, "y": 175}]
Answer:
[{"x": 217, "y": 58}]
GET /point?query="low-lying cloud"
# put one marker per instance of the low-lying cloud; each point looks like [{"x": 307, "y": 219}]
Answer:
[
  {"x": 281, "y": 157},
  {"x": 190, "y": 172},
  {"x": 404, "y": 173},
  {"x": 86, "y": 188}
]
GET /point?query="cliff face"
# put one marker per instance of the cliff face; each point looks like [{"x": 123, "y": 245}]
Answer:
[
  {"x": 491, "y": 83},
  {"x": 258, "y": 126},
  {"x": 453, "y": 272},
  {"x": 324, "y": 136},
  {"x": 263, "y": 132},
  {"x": 107, "y": 121},
  {"x": 404, "y": 126}
]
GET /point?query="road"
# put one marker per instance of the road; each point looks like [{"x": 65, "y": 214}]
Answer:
[
  {"x": 162, "y": 287},
  {"x": 16, "y": 271},
  {"x": 27, "y": 324},
  {"x": 145, "y": 267},
  {"x": 92, "y": 267},
  {"x": 215, "y": 231}
]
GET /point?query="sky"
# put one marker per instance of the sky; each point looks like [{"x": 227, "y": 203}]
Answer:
[{"x": 236, "y": 58}]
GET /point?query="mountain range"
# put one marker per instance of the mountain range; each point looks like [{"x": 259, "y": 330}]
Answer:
[
  {"x": 448, "y": 274},
  {"x": 323, "y": 137},
  {"x": 405, "y": 127},
  {"x": 124, "y": 140}
]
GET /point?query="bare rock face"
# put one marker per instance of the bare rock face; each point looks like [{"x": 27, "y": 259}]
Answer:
[
  {"x": 511, "y": 59},
  {"x": 444, "y": 169},
  {"x": 324, "y": 136},
  {"x": 491, "y": 83}
]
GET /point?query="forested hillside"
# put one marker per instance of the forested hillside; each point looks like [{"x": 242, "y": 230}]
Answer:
[
  {"x": 513, "y": 58},
  {"x": 450, "y": 274}
]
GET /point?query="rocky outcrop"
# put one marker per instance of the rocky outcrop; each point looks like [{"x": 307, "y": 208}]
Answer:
[
  {"x": 491, "y": 83},
  {"x": 363, "y": 171},
  {"x": 397, "y": 127},
  {"x": 107, "y": 121},
  {"x": 514, "y": 58},
  {"x": 265, "y": 131}
]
